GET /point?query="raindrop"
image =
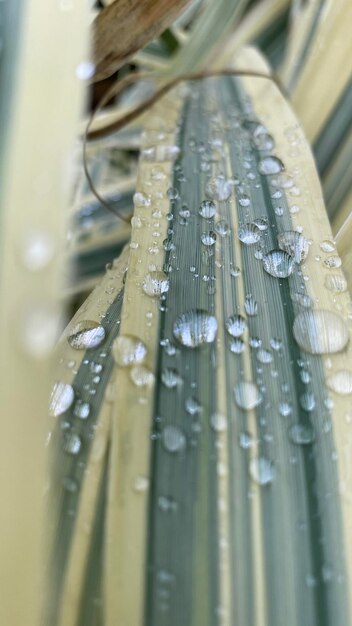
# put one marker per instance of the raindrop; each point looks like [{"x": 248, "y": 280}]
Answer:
[
  {"x": 278, "y": 264},
  {"x": 208, "y": 239},
  {"x": 236, "y": 325},
  {"x": 219, "y": 188},
  {"x": 341, "y": 382},
  {"x": 235, "y": 271},
  {"x": 320, "y": 332},
  {"x": 285, "y": 409},
  {"x": 207, "y": 209},
  {"x": 244, "y": 200},
  {"x": 82, "y": 409},
  {"x": 222, "y": 228},
  {"x": 332, "y": 262},
  {"x": 193, "y": 406},
  {"x": 141, "y": 200},
  {"x": 172, "y": 193},
  {"x": 262, "y": 470},
  {"x": 37, "y": 250},
  {"x": 261, "y": 138},
  {"x": 336, "y": 283},
  {"x": 218, "y": 422},
  {"x": 264, "y": 356},
  {"x": 86, "y": 335},
  {"x": 261, "y": 223},
  {"x": 128, "y": 350},
  {"x": 141, "y": 484},
  {"x": 275, "y": 343},
  {"x": 247, "y": 395},
  {"x": 327, "y": 245},
  {"x": 249, "y": 234},
  {"x": 72, "y": 443},
  {"x": 170, "y": 378},
  {"x": 173, "y": 439},
  {"x": 307, "y": 401},
  {"x": 237, "y": 346},
  {"x": 246, "y": 440},
  {"x": 255, "y": 342},
  {"x": 250, "y": 305},
  {"x": 301, "y": 434},
  {"x": 294, "y": 244},
  {"x": 270, "y": 165},
  {"x": 167, "y": 504},
  {"x": 142, "y": 376},
  {"x": 155, "y": 284},
  {"x": 62, "y": 397},
  {"x": 194, "y": 328}
]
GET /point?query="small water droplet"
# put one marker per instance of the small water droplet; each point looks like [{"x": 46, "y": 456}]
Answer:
[
  {"x": 82, "y": 409},
  {"x": 278, "y": 264},
  {"x": 142, "y": 376},
  {"x": 167, "y": 504},
  {"x": 222, "y": 228},
  {"x": 218, "y": 422},
  {"x": 262, "y": 470},
  {"x": 194, "y": 328},
  {"x": 86, "y": 335},
  {"x": 235, "y": 325},
  {"x": 341, "y": 382},
  {"x": 219, "y": 188},
  {"x": 37, "y": 250},
  {"x": 141, "y": 484},
  {"x": 72, "y": 443},
  {"x": 244, "y": 200},
  {"x": 247, "y": 395},
  {"x": 262, "y": 139},
  {"x": 246, "y": 440},
  {"x": 332, "y": 262},
  {"x": 336, "y": 283},
  {"x": 261, "y": 223},
  {"x": 327, "y": 245},
  {"x": 235, "y": 271},
  {"x": 193, "y": 406},
  {"x": 294, "y": 244},
  {"x": 301, "y": 434},
  {"x": 141, "y": 200},
  {"x": 174, "y": 440},
  {"x": 320, "y": 331},
  {"x": 275, "y": 343},
  {"x": 307, "y": 401},
  {"x": 155, "y": 284},
  {"x": 207, "y": 209},
  {"x": 171, "y": 378},
  {"x": 250, "y": 305},
  {"x": 249, "y": 234},
  {"x": 270, "y": 165},
  {"x": 237, "y": 346},
  {"x": 128, "y": 350},
  {"x": 62, "y": 397},
  {"x": 172, "y": 193},
  {"x": 264, "y": 356},
  {"x": 285, "y": 409},
  {"x": 208, "y": 239}
]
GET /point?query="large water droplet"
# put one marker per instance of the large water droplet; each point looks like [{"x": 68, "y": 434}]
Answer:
[
  {"x": 262, "y": 470},
  {"x": 320, "y": 332},
  {"x": 62, "y": 397},
  {"x": 235, "y": 325},
  {"x": 219, "y": 188},
  {"x": 341, "y": 382},
  {"x": 301, "y": 434},
  {"x": 155, "y": 284},
  {"x": 294, "y": 244},
  {"x": 249, "y": 234},
  {"x": 336, "y": 283},
  {"x": 247, "y": 395},
  {"x": 86, "y": 335},
  {"x": 270, "y": 165},
  {"x": 207, "y": 209},
  {"x": 278, "y": 264},
  {"x": 173, "y": 439},
  {"x": 128, "y": 350},
  {"x": 195, "y": 327}
]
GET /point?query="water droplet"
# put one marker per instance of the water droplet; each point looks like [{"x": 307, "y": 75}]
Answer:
[
  {"x": 247, "y": 395},
  {"x": 193, "y": 406},
  {"x": 141, "y": 200},
  {"x": 341, "y": 382},
  {"x": 270, "y": 165},
  {"x": 72, "y": 443},
  {"x": 236, "y": 325},
  {"x": 262, "y": 470},
  {"x": 155, "y": 284},
  {"x": 264, "y": 356},
  {"x": 142, "y": 376},
  {"x": 167, "y": 504},
  {"x": 141, "y": 484},
  {"x": 294, "y": 244},
  {"x": 278, "y": 264},
  {"x": 172, "y": 193},
  {"x": 208, "y": 239},
  {"x": 37, "y": 250},
  {"x": 82, "y": 409},
  {"x": 222, "y": 228},
  {"x": 307, "y": 401},
  {"x": 195, "y": 327},
  {"x": 320, "y": 332},
  {"x": 250, "y": 305},
  {"x": 285, "y": 409},
  {"x": 174, "y": 440},
  {"x": 261, "y": 223},
  {"x": 171, "y": 378},
  {"x": 275, "y": 343},
  {"x": 235, "y": 271},
  {"x": 237, "y": 346},
  {"x": 336, "y": 283},
  {"x": 218, "y": 422},
  {"x": 246, "y": 440},
  {"x": 327, "y": 245},
  {"x": 62, "y": 397},
  {"x": 128, "y": 350},
  {"x": 249, "y": 234},
  {"x": 207, "y": 209},
  {"x": 244, "y": 200},
  {"x": 332, "y": 262},
  {"x": 301, "y": 434},
  {"x": 261, "y": 138},
  {"x": 86, "y": 335},
  {"x": 70, "y": 485},
  {"x": 219, "y": 188}
]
